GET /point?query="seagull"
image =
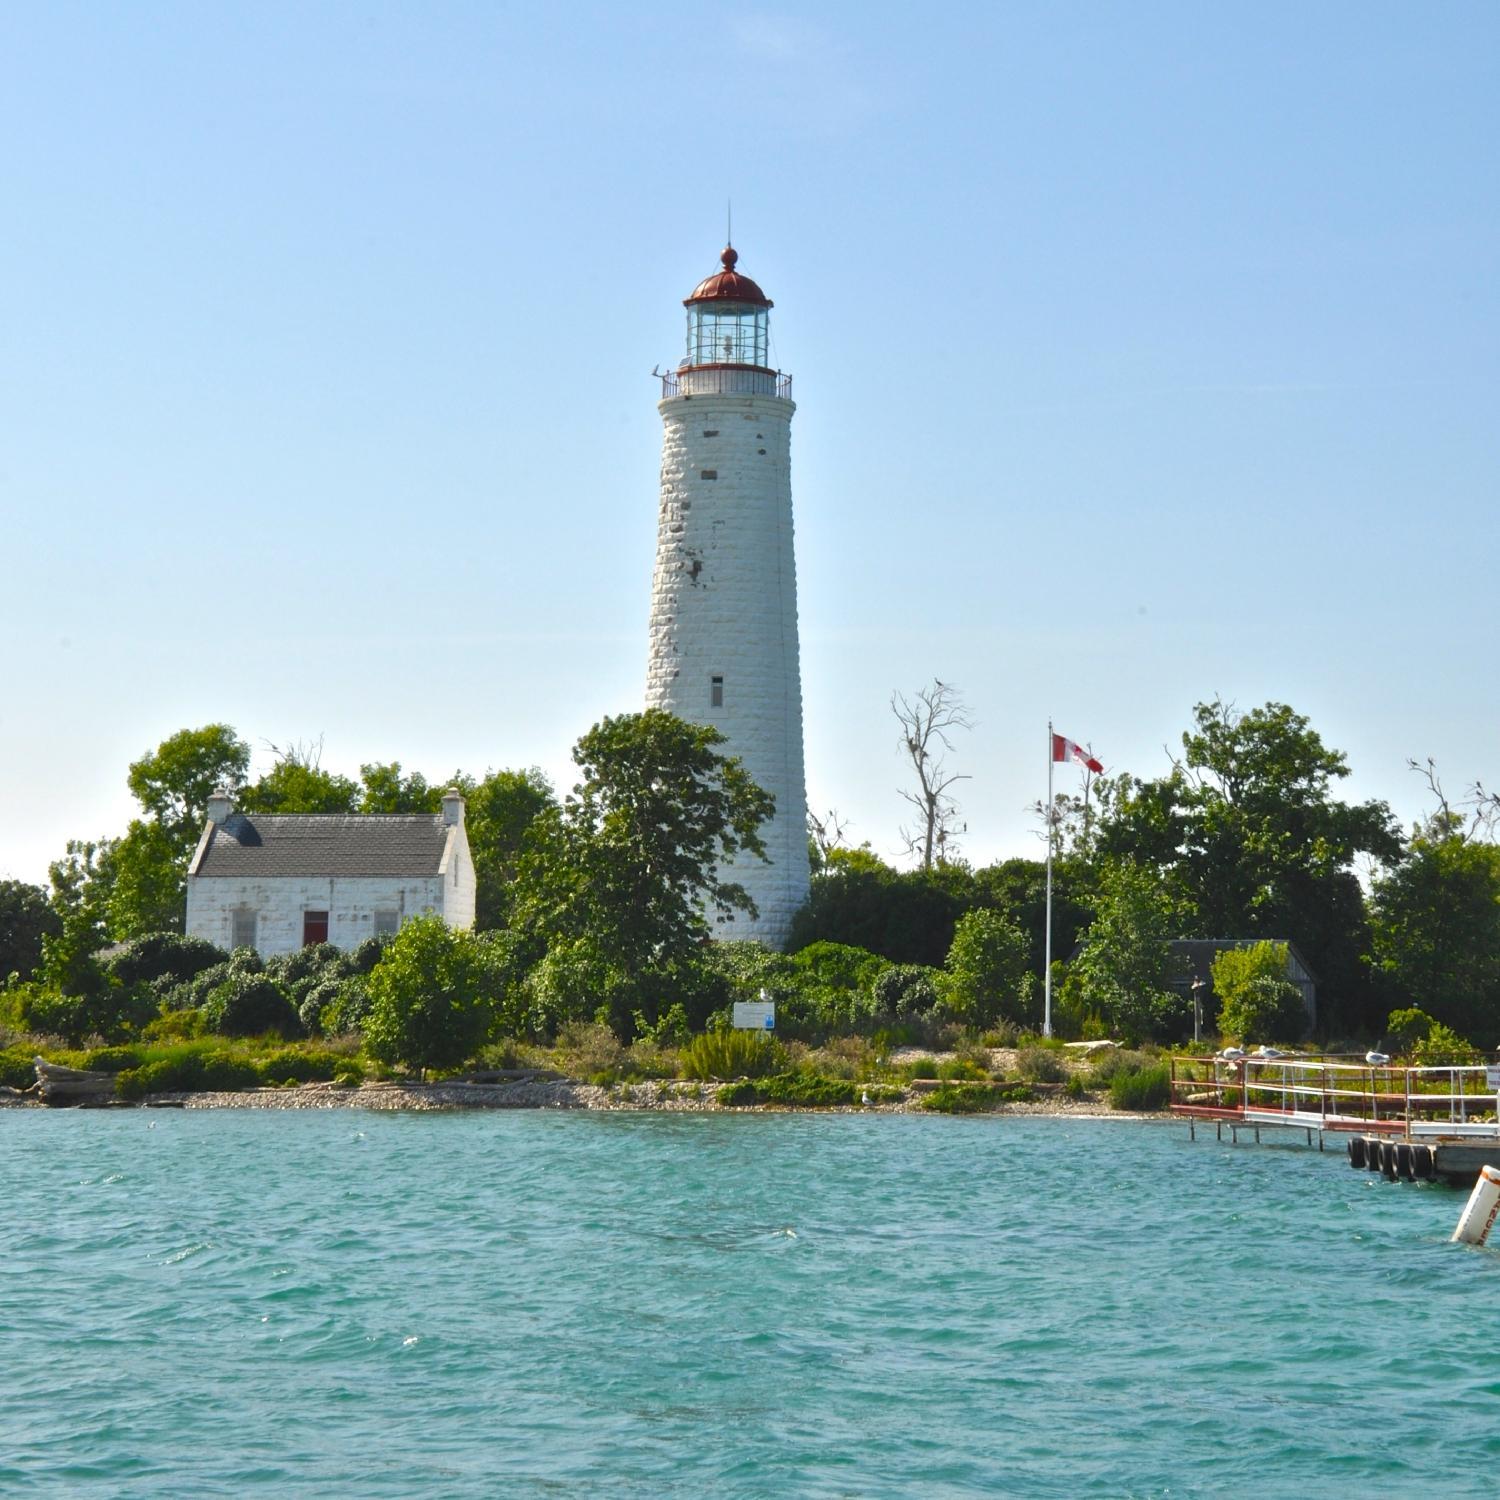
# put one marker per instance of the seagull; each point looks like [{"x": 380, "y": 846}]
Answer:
[
  {"x": 1230, "y": 1054},
  {"x": 1264, "y": 1051},
  {"x": 1376, "y": 1059},
  {"x": 864, "y": 1096}
]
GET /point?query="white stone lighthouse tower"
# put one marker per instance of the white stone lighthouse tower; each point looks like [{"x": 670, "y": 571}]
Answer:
[{"x": 724, "y": 594}]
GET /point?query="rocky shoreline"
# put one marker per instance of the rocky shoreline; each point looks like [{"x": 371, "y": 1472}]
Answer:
[{"x": 670, "y": 1096}]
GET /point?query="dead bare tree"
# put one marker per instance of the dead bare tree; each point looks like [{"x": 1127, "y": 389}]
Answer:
[
  {"x": 1480, "y": 821},
  {"x": 926, "y": 721},
  {"x": 826, "y": 832}
]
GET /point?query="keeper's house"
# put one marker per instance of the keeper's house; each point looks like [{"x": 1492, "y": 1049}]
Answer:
[{"x": 278, "y": 882}]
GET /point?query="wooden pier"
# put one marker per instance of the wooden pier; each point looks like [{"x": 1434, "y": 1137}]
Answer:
[{"x": 1416, "y": 1124}]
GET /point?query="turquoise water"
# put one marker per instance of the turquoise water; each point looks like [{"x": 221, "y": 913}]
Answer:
[{"x": 261, "y": 1303}]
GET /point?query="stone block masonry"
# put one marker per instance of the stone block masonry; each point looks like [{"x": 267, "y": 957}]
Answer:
[{"x": 723, "y": 630}]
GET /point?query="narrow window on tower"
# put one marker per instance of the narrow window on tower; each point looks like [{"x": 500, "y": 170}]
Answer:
[{"x": 716, "y": 692}]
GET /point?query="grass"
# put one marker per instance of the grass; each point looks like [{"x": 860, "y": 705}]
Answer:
[
  {"x": 731, "y": 1054},
  {"x": 974, "y": 1098},
  {"x": 1148, "y": 1088}
]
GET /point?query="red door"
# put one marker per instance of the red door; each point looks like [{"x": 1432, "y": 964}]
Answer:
[{"x": 314, "y": 927}]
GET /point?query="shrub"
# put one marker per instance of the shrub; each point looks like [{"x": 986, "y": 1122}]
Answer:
[
  {"x": 174, "y": 1026},
  {"x": 110, "y": 1011},
  {"x": 737, "y": 1094},
  {"x": 808, "y": 1090},
  {"x": 112, "y": 1059},
  {"x": 249, "y": 1004},
  {"x": 589, "y": 1049},
  {"x": 431, "y": 1002},
  {"x": 840, "y": 965},
  {"x": 164, "y": 956},
  {"x": 961, "y": 1068},
  {"x": 316, "y": 960},
  {"x": 17, "y": 1067},
  {"x": 907, "y": 990},
  {"x": 732, "y": 1054},
  {"x": 1263, "y": 1009},
  {"x": 1041, "y": 1065},
  {"x": 1406, "y": 1028},
  {"x": 960, "y": 1099},
  {"x": 1076, "y": 1088},
  {"x": 190, "y": 1069},
  {"x": 300, "y": 1065},
  {"x": 1149, "y": 1088},
  {"x": 317, "y": 1003},
  {"x": 349, "y": 1010},
  {"x": 1109, "y": 1065},
  {"x": 920, "y": 1067},
  {"x": 986, "y": 963},
  {"x": 670, "y": 1030},
  {"x": 1443, "y": 1047}
]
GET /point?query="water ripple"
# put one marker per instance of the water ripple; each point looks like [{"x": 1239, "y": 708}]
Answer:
[{"x": 556, "y": 1303}]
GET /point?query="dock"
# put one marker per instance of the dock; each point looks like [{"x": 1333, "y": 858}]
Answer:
[{"x": 1412, "y": 1123}]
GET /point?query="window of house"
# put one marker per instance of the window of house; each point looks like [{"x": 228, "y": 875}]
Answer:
[
  {"x": 314, "y": 927},
  {"x": 386, "y": 922},
  {"x": 716, "y": 692},
  {"x": 242, "y": 928}
]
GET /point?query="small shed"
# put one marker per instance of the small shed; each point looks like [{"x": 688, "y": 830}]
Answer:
[
  {"x": 1194, "y": 960},
  {"x": 278, "y": 882}
]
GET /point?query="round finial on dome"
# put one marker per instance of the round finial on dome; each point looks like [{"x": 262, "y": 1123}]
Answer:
[{"x": 729, "y": 257}]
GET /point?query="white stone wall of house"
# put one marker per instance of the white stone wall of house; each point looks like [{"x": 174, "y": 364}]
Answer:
[
  {"x": 357, "y": 907},
  {"x": 723, "y": 632}
]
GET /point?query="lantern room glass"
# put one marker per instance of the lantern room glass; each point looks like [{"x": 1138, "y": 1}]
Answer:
[{"x": 727, "y": 333}]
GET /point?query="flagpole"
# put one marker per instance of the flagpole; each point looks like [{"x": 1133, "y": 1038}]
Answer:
[{"x": 1047, "y": 975}]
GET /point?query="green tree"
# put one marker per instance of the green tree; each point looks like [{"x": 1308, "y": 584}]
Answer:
[
  {"x": 907, "y": 917},
  {"x": 1436, "y": 925},
  {"x": 25, "y": 919},
  {"x": 174, "y": 782},
  {"x": 1126, "y": 964},
  {"x": 297, "y": 783},
  {"x": 431, "y": 1000},
  {"x": 1257, "y": 1002},
  {"x": 82, "y": 882},
  {"x": 148, "y": 892},
  {"x": 386, "y": 790},
  {"x": 986, "y": 965},
  {"x": 1247, "y": 836},
  {"x": 1018, "y": 888},
  {"x": 499, "y": 810},
  {"x": 640, "y": 850}
]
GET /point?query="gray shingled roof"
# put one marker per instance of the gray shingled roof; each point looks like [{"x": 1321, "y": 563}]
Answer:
[{"x": 318, "y": 844}]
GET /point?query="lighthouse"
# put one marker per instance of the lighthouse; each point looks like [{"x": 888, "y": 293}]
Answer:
[{"x": 723, "y": 645}]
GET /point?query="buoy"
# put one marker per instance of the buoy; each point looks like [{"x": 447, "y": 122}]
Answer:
[
  {"x": 1478, "y": 1217},
  {"x": 1356, "y": 1151}
]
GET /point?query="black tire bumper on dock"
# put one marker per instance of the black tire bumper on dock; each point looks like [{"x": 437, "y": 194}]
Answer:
[{"x": 1456, "y": 1162}]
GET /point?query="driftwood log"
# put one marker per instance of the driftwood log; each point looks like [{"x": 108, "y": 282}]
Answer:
[{"x": 55, "y": 1082}]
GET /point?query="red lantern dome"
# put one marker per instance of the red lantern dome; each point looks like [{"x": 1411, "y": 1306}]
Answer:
[{"x": 728, "y": 285}]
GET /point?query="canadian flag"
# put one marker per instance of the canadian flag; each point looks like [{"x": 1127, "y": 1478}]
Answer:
[{"x": 1065, "y": 749}]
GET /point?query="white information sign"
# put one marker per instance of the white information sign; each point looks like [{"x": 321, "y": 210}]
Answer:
[
  {"x": 1492, "y": 1077},
  {"x": 755, "y": 1015}
]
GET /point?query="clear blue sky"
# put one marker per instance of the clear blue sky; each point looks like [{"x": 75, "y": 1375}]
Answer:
[{"x": 1143, "y": 352}]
